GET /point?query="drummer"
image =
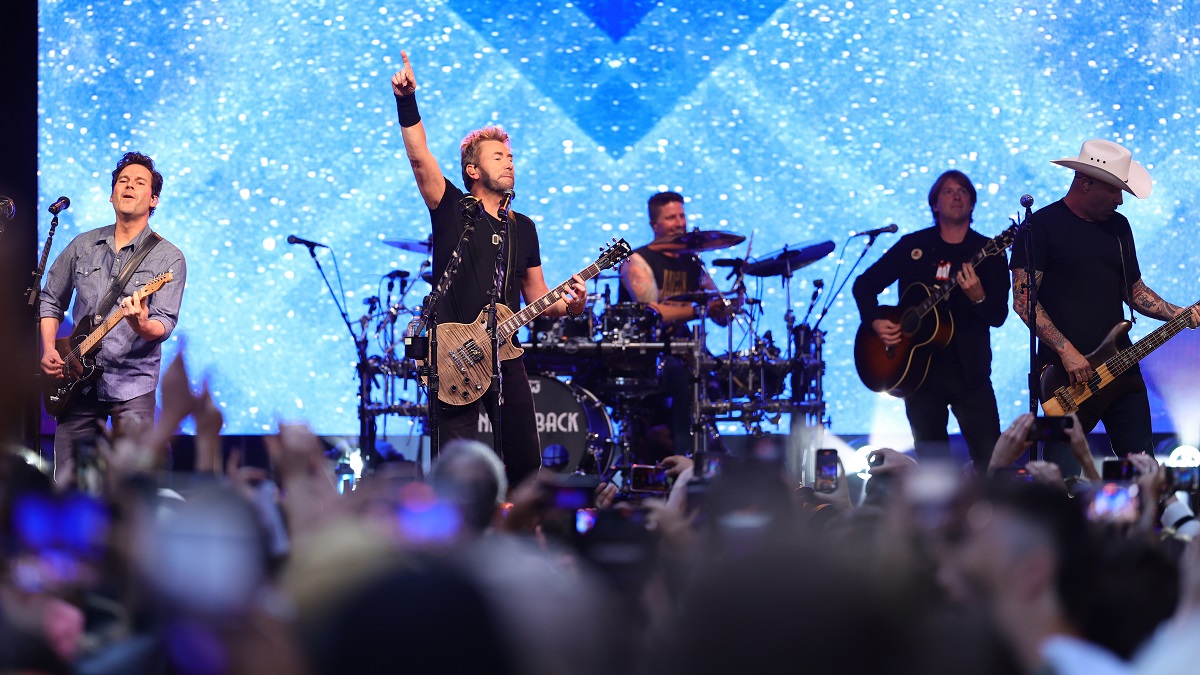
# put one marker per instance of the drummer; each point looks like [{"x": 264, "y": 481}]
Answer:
[
  {"x": 653, "y": 273},
  {"x": 659, "y": 270}
]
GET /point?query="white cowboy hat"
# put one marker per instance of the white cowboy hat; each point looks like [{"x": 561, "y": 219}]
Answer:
[{"x": 1111, "y": 163}]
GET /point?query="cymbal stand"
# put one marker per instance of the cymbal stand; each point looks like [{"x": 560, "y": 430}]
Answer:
[{"x": 699, "y": 430}]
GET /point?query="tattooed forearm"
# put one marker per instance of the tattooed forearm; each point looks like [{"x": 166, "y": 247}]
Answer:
[
  {"x": 1151, "y": 304},
  {"x": 1046, "y": 330}
]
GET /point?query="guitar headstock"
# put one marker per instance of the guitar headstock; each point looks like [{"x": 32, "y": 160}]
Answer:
[
  {"x": 157, "y": 282},
  {"x": 614, "y": 254}
]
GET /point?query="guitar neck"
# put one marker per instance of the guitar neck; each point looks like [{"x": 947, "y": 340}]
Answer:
[
  {"x": 98, "y": 334},
  {"x": 534, "y": 309},
  {"x": 1126, "y": 359}
]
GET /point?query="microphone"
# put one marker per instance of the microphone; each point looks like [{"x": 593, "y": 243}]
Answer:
[
  {"x": 397, "y": 274},
  {"x": 293, "y": 239},
  {"x": 878, "y": 231},
  {"x": 819, "y": 283},
  {"x": 1027, "y": 201},
  {"x": 502, "y": 211},
  {"x": 61, "y": 205},
  {"x": 7, "y": 208}
]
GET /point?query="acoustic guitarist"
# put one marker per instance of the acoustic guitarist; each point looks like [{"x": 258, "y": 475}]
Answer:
[
  {"x": 1085, "y": 268},
  {"x": 959, "y": 376},
  {"x": 131, "y": 353},
  {"x": 487, "y": 172}
]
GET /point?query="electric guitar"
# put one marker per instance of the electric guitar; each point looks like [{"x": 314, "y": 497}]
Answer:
[
  {"x": 464, "y": 351},
  {"x": 79, "y": 351},
  {"x": 1090, "y": 399},
  {"x": 925, "y": 327}
]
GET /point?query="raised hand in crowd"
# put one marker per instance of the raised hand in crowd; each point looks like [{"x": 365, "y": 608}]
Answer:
[
  {"x": 894, "y": 463},
  {"x": 1012, "y": 443},
  {"x": 1047, "y": 473},
  {"x": 1081, "y": 450}
]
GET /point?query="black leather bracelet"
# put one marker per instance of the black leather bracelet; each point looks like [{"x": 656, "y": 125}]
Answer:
[{"x": 406, "y": 110}]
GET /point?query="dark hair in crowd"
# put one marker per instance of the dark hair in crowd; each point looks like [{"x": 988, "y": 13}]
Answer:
[
  {"x": 156, "y": 178},
  {"x": 956, "y": 176},
  {"x": 656, "y": 202}
]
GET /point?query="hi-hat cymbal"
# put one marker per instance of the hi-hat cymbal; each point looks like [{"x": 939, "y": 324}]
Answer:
[
  {"x": 702, "y": 296},
  {"x": 789, "y": 259},
  {"x": 696, "y": 241},
  {"x": 414, "y": 245}
]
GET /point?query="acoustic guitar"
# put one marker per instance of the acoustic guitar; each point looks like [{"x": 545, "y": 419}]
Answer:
[
  {"x": 1090, "y": 399},
  {"x": 79, "y": 351},
  {"x": 464, "y": 350},
  {"x": 926, "y": 326}
]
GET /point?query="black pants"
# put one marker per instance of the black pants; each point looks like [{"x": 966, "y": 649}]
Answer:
[
  {"x": 1127, "y": 423},
  {"x": 82, "y": 421},
  {"x": 973, "y": 403},
  {"x": 521, "y": 451}
]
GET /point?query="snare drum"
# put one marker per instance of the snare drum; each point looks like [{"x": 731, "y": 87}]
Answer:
[{"x": 571, "y": 423}]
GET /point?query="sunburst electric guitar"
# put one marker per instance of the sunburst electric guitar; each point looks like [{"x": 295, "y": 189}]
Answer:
[
  {"x": 926, "y": 326},
  {"x": 1090, "y": 399},
  {"x": 464, "y": 351},
  {"x": 79, "y": 351}
]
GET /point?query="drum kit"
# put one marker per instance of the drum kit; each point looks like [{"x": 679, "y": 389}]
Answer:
[{"x": 600, "y": 380}]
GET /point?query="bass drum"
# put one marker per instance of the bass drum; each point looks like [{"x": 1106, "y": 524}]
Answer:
[{"x": 574, "y": 429}]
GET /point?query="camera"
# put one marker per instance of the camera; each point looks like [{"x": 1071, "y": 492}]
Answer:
[
  {"x": 648, "y": 478},
  {"x": 1117, "y": 469},
  {"x": 1185, "y": 478},
  {"x": 1114, "y": 502},
  {"x": 1048, "y": 429},
  {"x": 573, "y": 492}
]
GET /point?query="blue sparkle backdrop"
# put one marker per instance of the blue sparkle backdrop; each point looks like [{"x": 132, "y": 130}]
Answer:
[{"x": 788, "y": 121}]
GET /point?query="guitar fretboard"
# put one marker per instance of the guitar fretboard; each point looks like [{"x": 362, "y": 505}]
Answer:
[
  {"x": 531, "y": 311},
  {"x": 1125, "y": 360},
  {"x": 115, "y": 317}
]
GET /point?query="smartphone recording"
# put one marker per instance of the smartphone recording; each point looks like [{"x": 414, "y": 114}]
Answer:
[
  {"x": 648, "y": 478},
  {"x": 826, "y": 471},
  {"x": 1050, "y": 429}
]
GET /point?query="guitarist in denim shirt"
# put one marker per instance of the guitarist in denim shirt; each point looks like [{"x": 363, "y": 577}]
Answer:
[
  {"x": 1085, "y": 268},
  {"x": 131, "y": 353},
  {"x": 959, "y": 375}
]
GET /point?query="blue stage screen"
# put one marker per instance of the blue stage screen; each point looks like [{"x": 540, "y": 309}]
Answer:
[{"x": 786, "y": 122}]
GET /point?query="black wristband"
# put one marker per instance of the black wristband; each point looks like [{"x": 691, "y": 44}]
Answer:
[
  {"x": 570, "y": 313},
  {"x": 406, "y": 110},
  {"x": 1182, "y": 521}
]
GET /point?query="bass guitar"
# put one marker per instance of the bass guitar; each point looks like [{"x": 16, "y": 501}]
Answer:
[
  {"x": 464, "y": 351},
  {"x": 78, "y": 353},
  {"x": 1090, "y": 399},
  {"x": 925, "y": 327}
]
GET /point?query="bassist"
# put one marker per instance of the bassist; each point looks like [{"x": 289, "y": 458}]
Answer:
[
  {"x": 487, "y": 171},
  {"x": 959, "y": 376},
  {"x": 1085, "y": 268},
  {"x": 131, "y": 353}
]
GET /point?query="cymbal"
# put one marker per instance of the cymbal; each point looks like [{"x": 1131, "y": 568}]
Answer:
[
  {"x": 702, "y": 296},
  {"x": 427, "y": 277},
  {"x": 790, "y": 259},
  {"x": 414, "y": 245},
  {"x": 696, "y": 241}
]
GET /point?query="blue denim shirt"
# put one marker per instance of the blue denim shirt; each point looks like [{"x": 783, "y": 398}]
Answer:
[{"x": 87, "y": 267}]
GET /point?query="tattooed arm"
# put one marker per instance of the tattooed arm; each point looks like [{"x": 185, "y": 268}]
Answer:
[
  {"x": 1147, "y": 302},
  {"x": 638, "y": 279},
  {"x": 1074, "y": 362}
]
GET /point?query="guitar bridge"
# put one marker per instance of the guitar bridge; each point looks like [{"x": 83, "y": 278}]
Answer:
[{"x": 473, "y": 352}]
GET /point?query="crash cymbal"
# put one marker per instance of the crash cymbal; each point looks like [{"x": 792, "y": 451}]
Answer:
[
  {"x": 414, "y": 245},
  {"x": 696, "y": 241},
  {"x": 789, "y": 259}
]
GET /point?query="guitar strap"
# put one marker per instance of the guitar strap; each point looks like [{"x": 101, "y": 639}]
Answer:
[
  {"x": 511, "y": 242},
  {"x": 1128, "y": 295},
  {"x": 127, "y": 271}
]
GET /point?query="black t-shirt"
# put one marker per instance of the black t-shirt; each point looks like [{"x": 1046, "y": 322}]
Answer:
[
  {"x": 673, "y": 274},
  {"x": 1084, "y": 282},
  {"x": 924, "y": 257},
  {"x": 476, "y": 276}
]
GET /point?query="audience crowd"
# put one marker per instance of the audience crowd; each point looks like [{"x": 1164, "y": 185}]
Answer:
[{"x": 735, "y": 568}]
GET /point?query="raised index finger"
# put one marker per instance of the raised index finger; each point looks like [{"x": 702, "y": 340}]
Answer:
[{"x": 404, "y": 57}]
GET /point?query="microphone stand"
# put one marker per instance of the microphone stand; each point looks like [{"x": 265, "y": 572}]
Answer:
[
  {"x": 34, "y": 295},
  {"x": 366, "y": 420},
  {"x": 834, "y": 297},
  {"x": 426, "y": 349},
  {"x": 1035, "y": 450},
  {"x": 493, "y": 329}
]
